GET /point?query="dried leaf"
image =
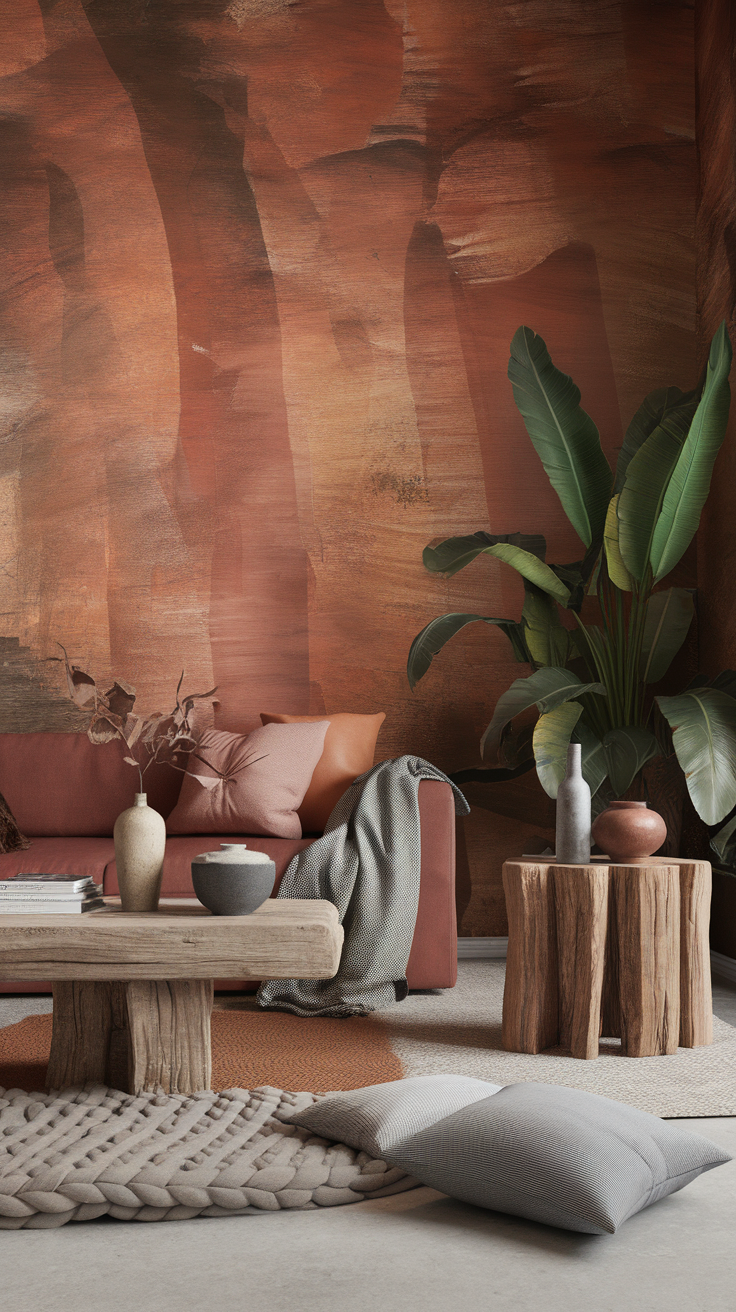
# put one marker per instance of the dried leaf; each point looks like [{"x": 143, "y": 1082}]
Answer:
[
  {"x": 104, "y": 728},
  {"x": 133, "y": 729},
  {"x": 82, "y": 687},
  {"x": 120, "y": 698},
  {"x": 130, "y": 760}
]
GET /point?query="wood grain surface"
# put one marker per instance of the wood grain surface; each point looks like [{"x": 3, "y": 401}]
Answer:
[
  {"x": 283, "y": 939},
  {"x": 617, "y": 950},
  {"x": 530, "y": 1000},
  {"x": 141, "y": 1036},
  {"x": 581, "y": 910}
]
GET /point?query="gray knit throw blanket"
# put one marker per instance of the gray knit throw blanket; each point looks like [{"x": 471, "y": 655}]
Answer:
[{"x": 367, "y": 863}]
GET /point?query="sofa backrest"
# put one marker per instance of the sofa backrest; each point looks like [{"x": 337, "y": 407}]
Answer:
[{"x": 61, "y": 784}]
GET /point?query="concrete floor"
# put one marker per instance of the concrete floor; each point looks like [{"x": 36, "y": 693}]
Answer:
[{"x": 417, "y": 1252}]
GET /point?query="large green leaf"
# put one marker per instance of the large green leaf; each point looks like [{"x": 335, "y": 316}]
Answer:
[
  {"x": 551, "y": 741},
  {"x": 653, "y": 409},
  {"x": 593, "y": 757},
  {"x": 546, "y": 688},
  {"x": 533, "y": 569},
  {"x": 645, "y": 486},
  {"x": 433, "y": 637},
  {"x": 617, "y": 570},
  {"x": 724, "y": 844},
  {"x": 668, "y": 618},
  {"x": 564, "y": 436},
  {"x": 454, "y": 554},
  {"x": 703, "y": 724},
  {"x": 626, "y": 751},
  {"x": 547, "y": 639},
  {"x": 523, "y": 551},
  {"x": 690, "y": 482}
]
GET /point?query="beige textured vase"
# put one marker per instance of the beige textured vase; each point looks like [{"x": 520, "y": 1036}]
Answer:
[{"x": 140, "y": 843}]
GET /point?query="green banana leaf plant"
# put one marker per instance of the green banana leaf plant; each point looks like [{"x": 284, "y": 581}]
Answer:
[{"x": 592, "y": 683}]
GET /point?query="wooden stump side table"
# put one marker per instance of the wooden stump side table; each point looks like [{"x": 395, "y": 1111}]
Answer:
[
  {"x": 133, "y": 991},
  {"x": 618, "y": 950}
]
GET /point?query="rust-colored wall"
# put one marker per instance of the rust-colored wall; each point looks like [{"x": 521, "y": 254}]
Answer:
[
  {"x": 716, "y": 284},
  {"x": 261, "y": 266}
]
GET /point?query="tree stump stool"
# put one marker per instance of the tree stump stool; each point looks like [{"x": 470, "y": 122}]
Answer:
[{"x": 618, "y": 950}]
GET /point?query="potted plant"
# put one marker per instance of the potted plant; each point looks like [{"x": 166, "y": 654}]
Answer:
[{"x": 592, "y": 683}]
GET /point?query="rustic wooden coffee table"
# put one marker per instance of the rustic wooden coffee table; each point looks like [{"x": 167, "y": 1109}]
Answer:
[
  {"x": 618, "y": 949},
  {"x": 133, "y": 991}
]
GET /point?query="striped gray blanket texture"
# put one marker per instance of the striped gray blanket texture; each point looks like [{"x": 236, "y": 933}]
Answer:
[
  {"x": 368, "y": 864},
  {"x": 81, "y": 1153}
]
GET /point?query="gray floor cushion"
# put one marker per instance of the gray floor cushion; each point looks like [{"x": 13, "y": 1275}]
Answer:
[
  {"x": 553, "y": 1154},
  {"x": 81, "y": 1153},
  {"x": 383, "y": 1114}
]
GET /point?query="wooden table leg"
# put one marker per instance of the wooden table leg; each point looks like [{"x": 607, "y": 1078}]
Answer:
[
  {"x": 530, "y": 995},
  {"x": 141, "y": 1035},
  {"x": 169, "y": 1028},
  {"x": 696, "y": 1002},
  {"x": 85, "y": 1016},
  {"x": 647, "y": 903},
  {"x": 581, "y": 903}
]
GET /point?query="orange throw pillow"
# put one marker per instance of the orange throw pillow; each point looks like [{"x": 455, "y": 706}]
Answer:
[{"x": 350, "y": 745}]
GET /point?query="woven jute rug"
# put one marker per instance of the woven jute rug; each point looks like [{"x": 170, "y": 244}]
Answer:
[
  {"x": 460, "y": 1031},
  {"x": 249, "y": 1048},
  {"x": 80, "y": 1153}
]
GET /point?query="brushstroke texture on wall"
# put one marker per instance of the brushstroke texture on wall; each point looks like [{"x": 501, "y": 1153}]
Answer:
[{"x": 261, "y": 264}]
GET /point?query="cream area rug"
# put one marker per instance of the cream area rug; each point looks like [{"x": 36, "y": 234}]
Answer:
[
  {"x": 459, "y": 1030},
  {"x": 76, "y": 1154}
]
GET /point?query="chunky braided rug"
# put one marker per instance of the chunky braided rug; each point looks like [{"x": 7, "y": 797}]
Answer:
[{"x": 76, "y": 1154}]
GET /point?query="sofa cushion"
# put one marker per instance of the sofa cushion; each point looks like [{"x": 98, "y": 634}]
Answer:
[
  {"x": 181, "y": 850},
  {"x": 266, "y": 774},
  {"x": 349, "y": 748},
  {"x": 62, "y": 784},
  {"x": 60, "y": 856}
]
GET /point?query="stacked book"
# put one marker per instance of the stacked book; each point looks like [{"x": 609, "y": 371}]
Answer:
[{"x": 35, "y": 895}]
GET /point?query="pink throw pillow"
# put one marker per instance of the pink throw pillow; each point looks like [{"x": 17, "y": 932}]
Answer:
[{"x": 266, "y": 773}]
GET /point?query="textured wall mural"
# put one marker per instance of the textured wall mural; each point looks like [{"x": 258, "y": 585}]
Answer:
[{"x": 261, "y": 264}]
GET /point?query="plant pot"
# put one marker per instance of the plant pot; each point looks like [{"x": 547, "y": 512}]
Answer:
[
  {"x": 140, "y": 845},
  {"x": 234, "y": 881},
  {"x": 629, "y": 831}
]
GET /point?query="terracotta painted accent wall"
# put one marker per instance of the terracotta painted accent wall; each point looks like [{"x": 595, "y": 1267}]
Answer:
[
  {"x": 261, "y": 264},
  {"x": 716, "y": 243},
  {"x": 716, "y": 289}
]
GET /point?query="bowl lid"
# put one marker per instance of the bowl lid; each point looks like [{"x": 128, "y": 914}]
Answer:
[{"x": 235, "y": 854}]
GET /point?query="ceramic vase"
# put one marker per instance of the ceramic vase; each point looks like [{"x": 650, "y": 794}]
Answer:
[
  {"x": 572, "y": 836},
  {"x": 234, "y": 881},
  {"x": 629, "y": 831},
  {"x": 140, "y": 844}
]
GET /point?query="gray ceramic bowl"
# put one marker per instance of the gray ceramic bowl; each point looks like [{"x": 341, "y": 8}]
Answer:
[{"x": 233, "y": 890}]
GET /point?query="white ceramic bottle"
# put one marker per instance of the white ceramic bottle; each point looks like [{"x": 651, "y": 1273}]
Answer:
[
  {"x": 572, "y": 836},
  {"x": 140, "y": 844}
]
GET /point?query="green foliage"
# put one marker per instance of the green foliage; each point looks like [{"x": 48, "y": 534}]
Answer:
[
  {"x": 703, "y": 724},
  {"x": 668, "y": 617},
  {"x": 551, "y": 741},
  {"x": 545, "y": 689},
  {"x": 564, "y": 436},
  {"x": 634, "y": 533},
  {"x": 689, "y": 485},
  {"x": 432, "y": 639}
]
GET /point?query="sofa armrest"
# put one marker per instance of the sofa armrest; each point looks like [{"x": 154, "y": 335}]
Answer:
[{"x": 433, "y": 957}]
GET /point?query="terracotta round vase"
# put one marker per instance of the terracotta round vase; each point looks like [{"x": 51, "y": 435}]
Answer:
[
  {"x": 140, "y": 844},
  {"x": 629, "y": 831}
]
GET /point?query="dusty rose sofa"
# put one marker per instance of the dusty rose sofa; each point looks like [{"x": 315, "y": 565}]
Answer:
[{"x": 66, "y": 793}]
